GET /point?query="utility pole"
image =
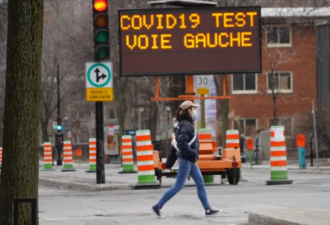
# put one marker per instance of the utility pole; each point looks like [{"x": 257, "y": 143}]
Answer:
[
  {"x": 59, "y": 135},
  {"x": 203, "y": 123},
  {"x": 315, "y": 134},
  {"x": 102, "y": 53},
  {"x": 58, "y": 92}
]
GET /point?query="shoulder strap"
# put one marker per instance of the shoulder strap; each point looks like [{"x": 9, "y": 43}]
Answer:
[
  {"x": 188, "y": 124},
  {"x": 193, "y": 140}
]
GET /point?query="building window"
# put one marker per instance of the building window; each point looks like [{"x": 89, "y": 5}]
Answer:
[
  {"x": 74, "y": 138},
  {"x": 279, "y": 81},
  {"x": 284, "y": 121},
  {"x": 278, "y": 36},
  {"x": 244, "y": 83},
  {"x": 246, "y": 126},
  {"x": 112, "y": 114}
]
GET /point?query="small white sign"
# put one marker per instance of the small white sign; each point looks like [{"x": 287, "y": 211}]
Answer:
[
  {"x": 203, "y": 84},
  {"x": 203, "y": 81},
  {"x": 54, "y": 125}
]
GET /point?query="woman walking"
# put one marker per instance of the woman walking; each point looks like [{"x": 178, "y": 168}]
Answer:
[{"x": 187, "y": 152}]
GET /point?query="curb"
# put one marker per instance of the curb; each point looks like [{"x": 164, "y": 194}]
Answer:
[
  {"x": 289, "y": 216},
  {"x": 257, "y": 219},
  {"x": 292, "y": 170},
  {"x": 72, "y": 185}
]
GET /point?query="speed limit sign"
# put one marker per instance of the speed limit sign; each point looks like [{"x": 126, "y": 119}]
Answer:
[{"x": 203, "y": 84}]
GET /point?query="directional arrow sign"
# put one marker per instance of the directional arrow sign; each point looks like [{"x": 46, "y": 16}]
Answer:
[{"x": 99, "y": 82}]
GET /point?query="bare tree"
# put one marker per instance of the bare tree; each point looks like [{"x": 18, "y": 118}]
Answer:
[
  {"x": 65, "y": 51},
  {"x": 306, "y": 126},
  {"x": 122, "y": 96},
  {"x": 219, "y": 80},
  {"x": 3, "y": 50},
  {"x": 277, "y": 57}
]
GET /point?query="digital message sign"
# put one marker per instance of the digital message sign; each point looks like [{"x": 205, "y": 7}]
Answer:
[{"x": 190, "y": 41}]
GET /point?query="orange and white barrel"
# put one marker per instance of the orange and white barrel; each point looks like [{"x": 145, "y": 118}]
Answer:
[
  {"x": 92, "y": 154},
  {"x": 48, "y": 158},
  {"x": 127, "y": 154},
  {"x": 67, "y": 155},
  {"x": 205, "y": 135},
  {"x": 232, "y": 139},
  {"x": 145, "y": 159},
  {"x": 0, "y": 157},
  {"x": 278, "y": 158}
]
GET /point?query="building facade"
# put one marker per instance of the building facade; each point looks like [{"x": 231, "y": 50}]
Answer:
[{"x": 295, "y": 65}]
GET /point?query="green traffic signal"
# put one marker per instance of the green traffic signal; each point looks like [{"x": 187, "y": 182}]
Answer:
[
  {"x": 59, "y": 127},
  {"x": 102, "y": 36},
  {"x": 102, "y": 52}
]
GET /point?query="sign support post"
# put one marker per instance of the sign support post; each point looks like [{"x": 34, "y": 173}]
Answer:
[
  {"x": 100, "y": 174},
  {"x": 250, "y": 148},
  {"x": 301, "y": 144},
  {"x": 99, "y": 88}
]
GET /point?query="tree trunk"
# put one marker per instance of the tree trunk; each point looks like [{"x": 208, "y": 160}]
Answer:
[
  {"x": 177, "y": 88},
  {"x": 122, "y": 111},
  {"x": 19, "y": 175},
  {"x": 44, "y": 130},
  {"x": 274, "y": 109},
  {"x": 224, "y": 107},
  {"x": 153, "y": 115}
]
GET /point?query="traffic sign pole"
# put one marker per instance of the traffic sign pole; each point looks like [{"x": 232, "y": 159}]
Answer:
[
  {"x": 100, "y": 174},
  {"x": 99, "y": 88},
  {"x": 250, "y": 149},
  {"x": 99, "y": 79}
]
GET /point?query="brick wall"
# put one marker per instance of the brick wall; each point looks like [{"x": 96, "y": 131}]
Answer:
[{"x": 304, "y": 74}]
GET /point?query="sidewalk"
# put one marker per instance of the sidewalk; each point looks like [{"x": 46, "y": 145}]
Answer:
[
  {"x": 80, "y": 180},
  {"x": 293, "y": 168},
  {"x": 289, "y": 216}
]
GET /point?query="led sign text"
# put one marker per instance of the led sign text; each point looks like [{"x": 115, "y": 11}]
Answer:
[{"x": 152, "y": 36}]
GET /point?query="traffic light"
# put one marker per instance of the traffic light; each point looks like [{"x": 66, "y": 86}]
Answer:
[
  {"x": 59, "y": 124},
  {"x": 101, "y": 29},
  {"x": 59, "y": 139}
]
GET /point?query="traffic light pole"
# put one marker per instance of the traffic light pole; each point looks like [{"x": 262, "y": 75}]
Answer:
[
  {"x": 102, "y": 53},
  {"x": 58, "y": 92},
  {"x": 100, "y": 174}
]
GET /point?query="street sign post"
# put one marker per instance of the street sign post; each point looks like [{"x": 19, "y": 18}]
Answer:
[
  {"x": 203, "y": 84},
  {"x": 99, "y": 82},
  {"x": 250, "y": 148},
  {"x": 301, "y": 144}
]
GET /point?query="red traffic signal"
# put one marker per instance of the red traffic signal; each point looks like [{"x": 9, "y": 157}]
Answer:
[
  {"x": 59, "y": 123},
  {"x": 100, "y": 5},
  {"x": 59, "y": 138},
  {"x": 101, "y": 29}
]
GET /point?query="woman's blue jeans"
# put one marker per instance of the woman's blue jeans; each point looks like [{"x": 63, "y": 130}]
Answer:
[{"x": 187, "y": 168}]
